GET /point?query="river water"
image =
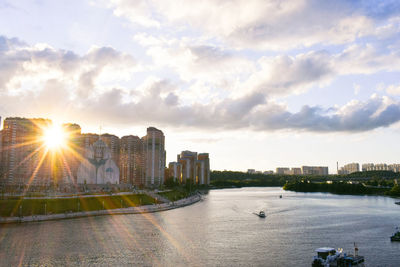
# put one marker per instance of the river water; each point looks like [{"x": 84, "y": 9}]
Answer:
[{"x": 221, "y": 230}]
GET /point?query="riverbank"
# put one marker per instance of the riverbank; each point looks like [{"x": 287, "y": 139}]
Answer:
[
  {"x": 339, "y": 188},
  {"x": 131, "y": 210}
]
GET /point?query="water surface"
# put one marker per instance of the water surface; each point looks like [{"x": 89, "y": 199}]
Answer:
[{"x": 221, "y": 230}]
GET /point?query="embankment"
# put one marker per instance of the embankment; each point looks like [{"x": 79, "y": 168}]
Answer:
[{"x": 131, "y": 210}]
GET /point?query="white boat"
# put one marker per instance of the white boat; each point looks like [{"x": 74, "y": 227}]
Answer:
[{"x": 330, "y": 257}]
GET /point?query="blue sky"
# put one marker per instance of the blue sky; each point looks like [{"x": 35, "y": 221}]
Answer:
[{"x": 257, "y": 84}]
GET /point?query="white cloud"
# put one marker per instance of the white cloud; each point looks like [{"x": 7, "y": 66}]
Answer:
[
  {"x": 196, "y": 62},
  {"x": 26, "y": 67},
  {"x": 393, "y": 89},
  {"x": 68, "y": 84},
  {"x": 274, "y": 24}
]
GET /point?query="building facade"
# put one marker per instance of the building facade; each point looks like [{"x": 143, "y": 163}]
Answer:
[
  {"x": 155, "y": 157},
  {"x": 282, "y": 170},
  {"x": 25, "y": 160},
  {"x": 191, "y": 167},
  {"x": 203, "y": 169},
  {"x": 367, "y": 167},
  {"x": 349, "y": 168},
  {"x": 71, "y": 156},
  {"x": 98, "y": 167},
  {"x": 131, "y": 160},
  {"x": 380, "y": 167},
  {"x": 112, "y": 142},
  {"x": 314, "y": 170}
]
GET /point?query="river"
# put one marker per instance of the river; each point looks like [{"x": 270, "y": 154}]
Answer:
[{"x": 221, "y": 230}]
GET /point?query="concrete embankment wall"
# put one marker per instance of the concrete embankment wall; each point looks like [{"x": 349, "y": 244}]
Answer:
[{"x": 131, "y": 210}]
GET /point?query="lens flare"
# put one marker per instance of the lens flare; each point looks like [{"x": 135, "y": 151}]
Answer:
[{"x": 54, "y": 137}]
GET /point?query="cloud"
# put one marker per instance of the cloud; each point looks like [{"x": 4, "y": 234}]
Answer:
[
  {"x": 356, "y": 116},
  {"x": 259, "y": 24},
  {"x": 45, "y": 80},
  {"x": 253, "y": 111},
  {"x": 393, "y": 89},
  {"x": 23, "y": 66},
  {"x": 195, "y": 61},
  {"x": 214, "y": 71},
  {"x": 281, "y": 75}
]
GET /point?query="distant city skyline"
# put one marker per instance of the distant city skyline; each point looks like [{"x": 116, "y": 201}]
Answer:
[
  {"x": 100, "y": 132},
  {"x": 37, "y": 152},
  {"x": 258, "y": 85}
]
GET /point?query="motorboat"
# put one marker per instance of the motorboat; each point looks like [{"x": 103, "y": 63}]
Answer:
[
  {"x": 396, "y": 235},
  {"x": 330, "y": 257},
  {"x": 261, "y": 214}
]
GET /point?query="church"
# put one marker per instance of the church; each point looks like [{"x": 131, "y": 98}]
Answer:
[{"x": 98, "y": 167}]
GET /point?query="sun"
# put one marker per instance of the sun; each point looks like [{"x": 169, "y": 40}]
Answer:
[{"x": 54, "y": 137}]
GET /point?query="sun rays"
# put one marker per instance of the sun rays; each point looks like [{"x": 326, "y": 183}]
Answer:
[
  {"x": 54, "y": 137},
  {"x": 45, "y": 152}
]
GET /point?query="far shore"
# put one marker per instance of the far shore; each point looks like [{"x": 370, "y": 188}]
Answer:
[{"x": 131, "y": 210}]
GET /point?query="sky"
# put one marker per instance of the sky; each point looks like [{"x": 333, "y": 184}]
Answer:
[{"x": 258, "y": 84}]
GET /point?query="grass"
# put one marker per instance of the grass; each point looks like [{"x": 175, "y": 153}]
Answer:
[
  {"x": 28, "y": 207},
  {"x": 174, "y": 194}
]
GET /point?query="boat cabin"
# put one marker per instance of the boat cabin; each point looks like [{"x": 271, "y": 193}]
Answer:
[{"x": 324, "y": 252}]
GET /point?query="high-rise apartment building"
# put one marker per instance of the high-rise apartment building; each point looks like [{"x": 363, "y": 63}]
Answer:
[
  {"x": 131, "y": 161},
  {"x": 380, "y": 167},
  {"x": 72, "y": 153},
  {"x": 191, "y": 167},
  {"x": 394, "y": 167},
  {"x": 349, "y": 168},
  {"x": 24, "y": 156},
  {"x": 367, "y": 167},
  {"x": 203, "y": 169},
  {"x": 154, "y": 153},
  {"x": 26, "y": 160},
  {"x": 112, "y": 143},
  {"x": 314, "y": 170},
  {"x": 87, "y": 140},
  {"x": 175, "y": 171},
  {"x": 295, "y": 171},
  {"x": 282, "y": 170},
  {"x": 187, "y": 159}
]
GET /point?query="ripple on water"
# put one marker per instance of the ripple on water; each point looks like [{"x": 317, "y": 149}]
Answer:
[{"x": 221, "y": 230}]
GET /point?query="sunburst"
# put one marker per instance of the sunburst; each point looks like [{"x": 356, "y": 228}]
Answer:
[{"x": 54, "y": 137}]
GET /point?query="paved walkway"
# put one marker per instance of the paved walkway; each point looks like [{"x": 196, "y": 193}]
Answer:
[
  {"x": 146, "y": 192},
  {"x": 131, "y": 210}
]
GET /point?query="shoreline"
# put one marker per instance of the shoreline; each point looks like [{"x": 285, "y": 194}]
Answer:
[{"x": 131, "y": 210}]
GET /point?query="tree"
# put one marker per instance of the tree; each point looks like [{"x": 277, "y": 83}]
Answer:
[
  {"x": 395, "y": 191},
  {"x": 170, "y": 183}
]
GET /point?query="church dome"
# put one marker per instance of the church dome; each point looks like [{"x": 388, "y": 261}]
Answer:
[
  {"x": 100, "y": 144},
  {"x": 99, "y": 151}
]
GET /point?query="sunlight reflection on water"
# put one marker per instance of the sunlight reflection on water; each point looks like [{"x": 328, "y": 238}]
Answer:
[{"x": 221, "y": 230}]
